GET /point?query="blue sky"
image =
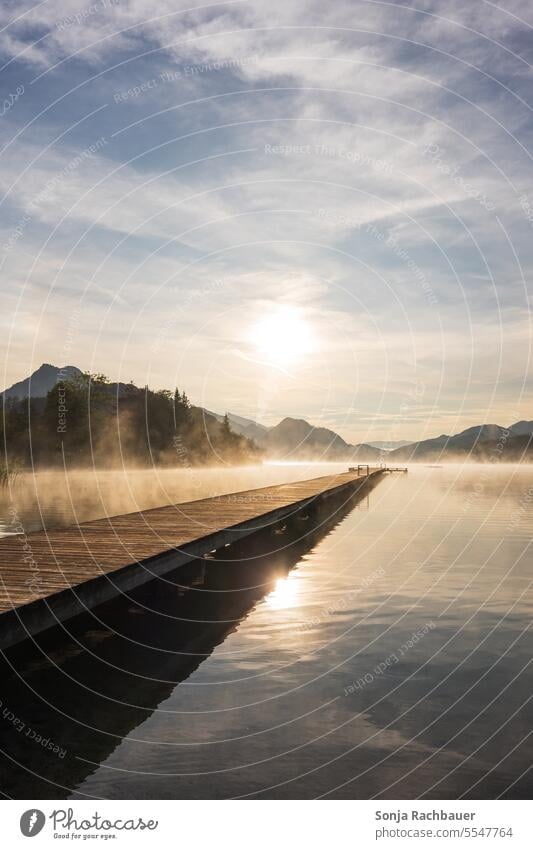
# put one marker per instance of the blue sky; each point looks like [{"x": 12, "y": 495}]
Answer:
[{"x": 308, "y": 209}]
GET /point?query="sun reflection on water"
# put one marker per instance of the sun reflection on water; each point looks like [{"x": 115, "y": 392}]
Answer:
[{"x": 284, "y": 594}]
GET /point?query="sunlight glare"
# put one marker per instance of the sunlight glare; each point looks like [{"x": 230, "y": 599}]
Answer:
[
  {"x": 284, "y": 594},
  {"x": 283, "y": 337}
]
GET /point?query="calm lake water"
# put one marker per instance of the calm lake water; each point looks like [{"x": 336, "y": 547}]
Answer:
[{"x": 385, "y": 653}]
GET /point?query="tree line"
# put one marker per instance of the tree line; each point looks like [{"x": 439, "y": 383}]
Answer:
[{"x": 87, "y": 420}]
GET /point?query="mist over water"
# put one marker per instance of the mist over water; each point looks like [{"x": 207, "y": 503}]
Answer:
[
  {"x": 386, "y": 654},
  {"x": 58, "y": 498}
]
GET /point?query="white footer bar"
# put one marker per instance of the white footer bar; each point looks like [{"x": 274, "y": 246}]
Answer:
[{"x": 267, "y": 824}]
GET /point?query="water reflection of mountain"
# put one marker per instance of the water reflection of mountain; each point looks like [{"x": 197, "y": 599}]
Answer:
[{"x": 85, "y": 685}]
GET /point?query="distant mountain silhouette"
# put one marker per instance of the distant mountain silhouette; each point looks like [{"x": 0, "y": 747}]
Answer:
[
  {"x": 480, "y": 441},
  {"x": 522, "y": 428},
  {"x": 38, "y": 384},
  {"x": 389, "y": 445},
  {"x": 512, "y": 450},
  {"x": 297, "y": 439},
  {"x": 245, "y": 427}
]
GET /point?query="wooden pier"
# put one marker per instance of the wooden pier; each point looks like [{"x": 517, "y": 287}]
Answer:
[{"x": 51, "y": 575}]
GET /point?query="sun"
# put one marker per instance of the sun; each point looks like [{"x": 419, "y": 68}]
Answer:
[{"x": 282, "y": 336}]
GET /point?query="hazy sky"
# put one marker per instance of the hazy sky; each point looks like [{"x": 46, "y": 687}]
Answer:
[{"x": 314, "y": 209}]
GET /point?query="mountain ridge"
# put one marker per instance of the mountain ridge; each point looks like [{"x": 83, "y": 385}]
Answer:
[
  {"x": 295, "y": 438},
  {"x": 39, "y": 383}
]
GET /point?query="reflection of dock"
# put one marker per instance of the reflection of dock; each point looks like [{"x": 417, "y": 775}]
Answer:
[{"x": 50, "y": 576}]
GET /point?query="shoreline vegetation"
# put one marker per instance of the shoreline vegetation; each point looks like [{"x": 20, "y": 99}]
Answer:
[{"x": 88, "y": 421}]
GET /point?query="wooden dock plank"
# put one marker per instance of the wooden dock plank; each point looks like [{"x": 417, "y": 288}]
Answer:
[{"x": 36, "y": 567}]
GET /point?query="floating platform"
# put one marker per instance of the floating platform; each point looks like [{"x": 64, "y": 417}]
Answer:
[{"x": 49, "y": 576}]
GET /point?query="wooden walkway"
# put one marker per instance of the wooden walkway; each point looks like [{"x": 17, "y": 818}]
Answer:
[{"x": 55, "y": 574}]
